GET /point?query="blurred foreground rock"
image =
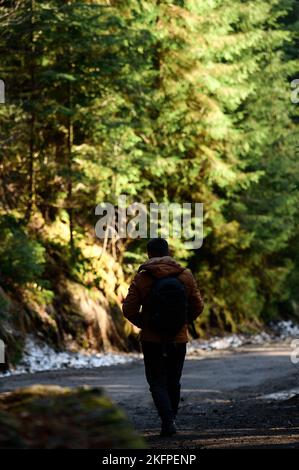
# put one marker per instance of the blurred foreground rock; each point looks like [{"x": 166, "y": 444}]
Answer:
[{"x": 52, "y": 417}]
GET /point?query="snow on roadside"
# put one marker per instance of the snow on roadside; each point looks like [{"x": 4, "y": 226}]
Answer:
[
  {"x": 41, "y": 357},
  {"x": 282, "y": 395},
  {"x": 287, "y": 329},
  {"x": 280, "y": 331}
]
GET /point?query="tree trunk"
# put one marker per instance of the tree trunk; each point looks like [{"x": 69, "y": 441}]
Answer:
[
  {"x": 31, "y": 169},
  {"x": 70, "y": 179}
]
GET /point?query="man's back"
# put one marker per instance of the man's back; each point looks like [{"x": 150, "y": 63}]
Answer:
[{"x": 139, "y": 293}]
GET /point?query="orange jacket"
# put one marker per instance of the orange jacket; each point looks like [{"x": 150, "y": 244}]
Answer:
[{"x": 140, "y": 289}]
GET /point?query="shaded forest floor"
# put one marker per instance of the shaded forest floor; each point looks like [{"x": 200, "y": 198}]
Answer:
[{"x": 224, "y": 398}]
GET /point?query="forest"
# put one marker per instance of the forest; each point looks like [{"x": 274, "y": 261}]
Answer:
[{"x": 161, "y": 101}]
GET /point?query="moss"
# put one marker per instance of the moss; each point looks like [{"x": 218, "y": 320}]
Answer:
[{"x": 52, "y": 417}]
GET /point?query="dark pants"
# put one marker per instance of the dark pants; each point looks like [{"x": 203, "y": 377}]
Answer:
[{"x": 163, "y": 370}]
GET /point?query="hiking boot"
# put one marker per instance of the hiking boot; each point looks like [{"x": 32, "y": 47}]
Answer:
[{"x": 168, "y": 429}]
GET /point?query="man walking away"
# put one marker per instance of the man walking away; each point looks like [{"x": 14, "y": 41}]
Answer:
[{"x": 162, "y": 299}]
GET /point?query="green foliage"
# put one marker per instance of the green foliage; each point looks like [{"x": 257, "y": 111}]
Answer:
[
  {"x": 164, "y": 101},
  {"x": 21, "y": 258}
]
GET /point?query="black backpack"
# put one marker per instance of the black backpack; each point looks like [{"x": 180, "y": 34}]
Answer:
[{"x": 168, "y": 306}]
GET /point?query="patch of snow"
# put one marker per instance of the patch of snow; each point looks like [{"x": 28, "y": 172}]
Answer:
[
  {"x": 281, "y": 330},
  {"x": 286, "y": 329},
  {"x": 39, "y": 357},
  {"x": 283, "y": 395}
]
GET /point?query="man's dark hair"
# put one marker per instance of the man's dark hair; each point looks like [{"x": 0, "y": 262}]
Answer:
[{"x": 158, "y": 247}]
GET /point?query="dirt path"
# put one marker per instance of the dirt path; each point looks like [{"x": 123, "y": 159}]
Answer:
[{"x": 222, "y": 398}]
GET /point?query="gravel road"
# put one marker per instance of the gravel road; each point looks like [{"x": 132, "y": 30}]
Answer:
[{"x": 224, "y": 397}]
